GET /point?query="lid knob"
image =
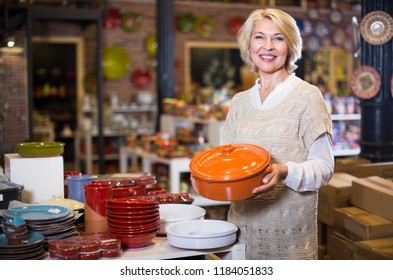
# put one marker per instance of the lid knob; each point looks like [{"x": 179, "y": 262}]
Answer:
[{"x": 227, "y": 150}]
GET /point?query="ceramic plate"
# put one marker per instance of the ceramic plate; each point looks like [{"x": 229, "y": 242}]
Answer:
[
  {"x": 37, "y": 212},
  {"x": 31, "y": 240},
  {"x": 365, "y": 82},
  {"x": 336, "y": 16},
  {"x": 313, "y": 13},
  {"x": 313, "y": 43},
  {"x": 377, "y": 27},
  {"x": 322, "y": 28},
  {"x": 131, "y": 21}
]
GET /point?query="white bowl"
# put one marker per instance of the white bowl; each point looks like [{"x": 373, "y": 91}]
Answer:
[
  {"x": 201, "y": 234},
  {"x": 175, "y": 212}
]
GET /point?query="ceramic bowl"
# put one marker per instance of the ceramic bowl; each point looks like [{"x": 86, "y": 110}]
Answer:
[
  {"x": 135, "y": 240},
  {"x": 229, "y": 172},
  {"x": 173, "y": 213},
  {"x": 39, "y": 149},
  {"x": 201, "y": 234}
]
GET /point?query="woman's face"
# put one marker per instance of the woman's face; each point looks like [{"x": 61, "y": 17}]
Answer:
[{"x": 268, "y": 47}]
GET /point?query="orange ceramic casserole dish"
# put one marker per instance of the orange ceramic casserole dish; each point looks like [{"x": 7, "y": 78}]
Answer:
[{"x": 230, "y": 172}]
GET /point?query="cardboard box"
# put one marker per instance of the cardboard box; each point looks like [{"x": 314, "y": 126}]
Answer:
[
  {"x": 336, "y": 194},
  {"x": 357, "y": 224},
  {"x": 377, "y": 249},
  {"x": 373, "y": 194},
  {"x": 42, "y": 177},
  {"x": 348, "y": 164},
  {"x": 339, "y": 247},
  {"x": 381, "y": 169}
]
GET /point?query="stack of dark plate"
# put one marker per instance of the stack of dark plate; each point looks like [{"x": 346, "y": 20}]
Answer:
[
  {"x": 134, "y": 221},
  {"x": 51, "y": 221},
  {"x": 31, "y": 248}
]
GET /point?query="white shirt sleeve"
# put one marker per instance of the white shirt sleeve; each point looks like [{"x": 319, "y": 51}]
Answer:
[{"x": 316, "y": 171}]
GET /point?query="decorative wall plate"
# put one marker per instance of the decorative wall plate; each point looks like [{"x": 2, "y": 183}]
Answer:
[
  {"x": 336, "y": 16},
  {"x": 377, "y": 27},
  {"x": 365, "y": 82},
  {"x": 339, "y": 36},
  {"x": 313, "y": 13},
  {"x": 131, "y": 21},
  {"x": 322, "y": 28},
  {"x": 313, "y": 42}
]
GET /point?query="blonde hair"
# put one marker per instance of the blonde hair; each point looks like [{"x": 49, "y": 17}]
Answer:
[{"x": 287, "y": 26}]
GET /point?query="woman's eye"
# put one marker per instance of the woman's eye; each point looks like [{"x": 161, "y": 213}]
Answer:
[
  {"x": 279, "y": 38},
  {"x": 258, "y": 37}
]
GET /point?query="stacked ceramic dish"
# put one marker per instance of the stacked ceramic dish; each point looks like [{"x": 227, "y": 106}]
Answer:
[
  {"x": 51, "y": 221},
  {"x": 173, "y": 213},
  {"x": 17, "y": 243},
  {"x": 201, "y": 234},
  {"x": 134, "y": 221}
]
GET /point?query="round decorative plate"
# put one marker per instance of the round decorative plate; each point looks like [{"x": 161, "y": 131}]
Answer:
[
  {"x": 37, "y": 212},
  {"x": 322, "y": 28},
  {"x": 377, "y": 27},
  {"x": 365, "y": 82},
  {"x": 336, "y": 16},
  {"x": 131, "y": 21},
  {"x": 313, "y": 42},
  {"x": 339, "y": 36},
  {"x": 313, "y": 13}
]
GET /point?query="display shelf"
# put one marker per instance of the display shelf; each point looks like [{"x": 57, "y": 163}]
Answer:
[
  {"x": 177, "y": 165},
  {"x": 346, "y": 129},
  {"x": 160, "y": 249},
  {"x": 211, "y": 127},
  {"x": 85, "y": 157}
]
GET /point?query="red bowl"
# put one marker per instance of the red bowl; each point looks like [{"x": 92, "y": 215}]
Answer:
[
  {"x": 127, "y": 201},
  {"x": 135, "y": 240},
  {"x": 122, "y": 226},
  {"x": 132, "y": 215},
  {"x": 132, "y": 208},
  {"x": 132, "y": 221},
  {"x": 133, "y": 232}
]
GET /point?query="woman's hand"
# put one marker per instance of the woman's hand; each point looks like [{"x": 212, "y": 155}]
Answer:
[
  {"x": 279, "y": 172},
  {"x": 192, "y": 179}
]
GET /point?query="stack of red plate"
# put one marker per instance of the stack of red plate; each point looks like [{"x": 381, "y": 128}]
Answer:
[{"x": 134, "y": 221}]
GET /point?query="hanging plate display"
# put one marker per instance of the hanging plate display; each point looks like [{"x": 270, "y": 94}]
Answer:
[
  {"x": 313, "y": 43},
  {"x": 313, "y": 13},
  {"x": 187, "y": 23},
  {"x": 112, "y": 18},
  {"x": 204, "y": 26},
  {"x": 131, "y": 21},
  {"x": 322, "y": 28},
  {"x": 377, "y": 27},
  {"x": 336, "y": 16},
  {"x": 235, "y": 24},
  {"x": 339, "y": 36},
  {"x": 365, "y": 82}
]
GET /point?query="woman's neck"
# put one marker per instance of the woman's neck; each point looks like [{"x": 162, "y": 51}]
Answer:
[{"x": 268, "y": 82}]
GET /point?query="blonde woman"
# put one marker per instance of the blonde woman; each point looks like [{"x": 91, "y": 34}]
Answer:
[{"x": 287, "y": 116}]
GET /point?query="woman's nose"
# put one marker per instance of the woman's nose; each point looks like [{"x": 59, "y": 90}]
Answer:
[{"x": 268, "y": 45}]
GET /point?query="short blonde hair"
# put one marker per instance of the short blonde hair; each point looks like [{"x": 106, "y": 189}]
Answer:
[{"x": 287, "y": 26}]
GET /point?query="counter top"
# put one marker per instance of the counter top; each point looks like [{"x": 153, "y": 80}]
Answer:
[{"x": 161, "y": 249}]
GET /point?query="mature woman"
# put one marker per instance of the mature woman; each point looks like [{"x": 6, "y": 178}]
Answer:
[{"x": 288, "y": 117}]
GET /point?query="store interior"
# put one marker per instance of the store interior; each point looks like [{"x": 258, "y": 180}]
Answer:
[{"x": 144, "y": 85}]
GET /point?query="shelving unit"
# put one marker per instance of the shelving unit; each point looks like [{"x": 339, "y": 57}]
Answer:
[
  {"x": 211, "y": 128},
  {"x": 85, "y": 154},
  {"x": 351, "y": 119}
]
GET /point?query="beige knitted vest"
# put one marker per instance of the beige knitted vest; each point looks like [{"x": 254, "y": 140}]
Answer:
[{"x": 281, "y": 224}]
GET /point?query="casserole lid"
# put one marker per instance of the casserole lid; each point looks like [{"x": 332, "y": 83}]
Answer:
[{"x": 229, "y": 162}]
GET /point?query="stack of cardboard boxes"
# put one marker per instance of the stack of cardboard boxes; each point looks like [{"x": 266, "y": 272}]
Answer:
[{"x": 355, "y": 212}]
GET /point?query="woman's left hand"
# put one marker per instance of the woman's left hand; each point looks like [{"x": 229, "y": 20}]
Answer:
[{"x": 270, "y": 180}]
